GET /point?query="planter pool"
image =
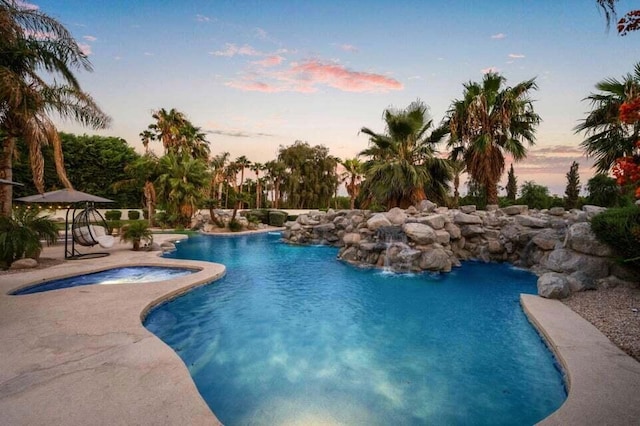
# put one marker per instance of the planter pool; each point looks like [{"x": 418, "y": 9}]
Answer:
[
  {"x": 292, "y": 335},
  {"x": 125, "y": 275}
]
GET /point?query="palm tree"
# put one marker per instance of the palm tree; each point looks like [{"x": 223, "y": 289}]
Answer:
[
  {"x": 193, "y": 141},
  {"x": 457, "y": 168},
  {"x": 489, "y": 122},
  {"x": 179, "y": 185},
  {"x": 218, "y": 165},
  {"x": 167, "y": 127},
  {"x": 31, "y": 43},
  {"x": 242, "y": 163},
  {"x": 277, "y": 172},
  {"x": 146, "y": 136},
  {"x": 136, "y": 232},
  {"x": 608, "y": 138},
  {"x": 257, "y": 168},
  {"x": 402, "y": 165},
  {"x": 353, "y": 176},
  {"x": 143, "y": 171}
]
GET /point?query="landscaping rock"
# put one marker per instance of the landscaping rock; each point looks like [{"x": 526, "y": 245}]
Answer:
[
  {"x": 467, "y": 219},
  {"x": 351, "y": 239},
  {"x": 435, "y": 259},
  {"x": 553, "y": 286},
  {"x": 581, "y": 238},
  {"x": 436, "y": 221},
  {"x": 377, "y": 221},
  {"x": 427, "y": 206},
  {"x": 514, "y": 210},
  {"x": 396, "y": 216},
  {"x": 26, "y": 263},
  {"x": 531, "y": 222},
  {"x": 468, "y": 209},
  {"x": 419, "y": 233}
]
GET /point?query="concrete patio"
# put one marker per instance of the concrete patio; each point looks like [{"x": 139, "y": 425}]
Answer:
[{"x": 81, "y": 355}]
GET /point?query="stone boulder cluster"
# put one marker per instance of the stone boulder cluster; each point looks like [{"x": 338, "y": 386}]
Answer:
[{"x": 556, "y": 244}]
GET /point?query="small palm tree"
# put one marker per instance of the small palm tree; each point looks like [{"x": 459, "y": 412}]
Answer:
[
  {"x": 608, "y": 138},
  {"x": 352, "y": 175},
  {"x": 135, "y": 233},
  {"x": 21, "y": 233},
  {"x": 403, "y": 167}
]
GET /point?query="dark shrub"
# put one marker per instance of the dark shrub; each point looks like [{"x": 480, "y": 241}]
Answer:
[
  {"x": 277, "y": 218},
  {"x": 620, "y": 229},
  {"x": 145, "y": 213},
  {"x": 113, "y": 224},
  {"x": 292, "y": 217},
  {"x": 261, "y": 214},
  {"x": 134, "y": 215},
  {"x": 235, "y": 226},
  {"x": 113, "y": 214}
]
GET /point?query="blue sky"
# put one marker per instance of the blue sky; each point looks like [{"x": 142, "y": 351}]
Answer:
[{"x": 259, "y": 74}]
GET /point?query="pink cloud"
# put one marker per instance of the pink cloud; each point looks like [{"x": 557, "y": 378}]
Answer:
[
  {"x": 336, "y": 76},
  {"x": 89, "y": 38},
  {"x": 489, "y": 69},
  {"x": 516, "y": 55},
  {"x": 348, "y": 48},
  {"x": 231, "y": 50},
  {"x": 247, "y": 85},
  {"x": 308, "y": 76},
  {"x": 498, "y": 36},
  {"x": 270, "y": 61},
  {"x": 85, "y": 48},
  {"x": 27, "y": 5}
]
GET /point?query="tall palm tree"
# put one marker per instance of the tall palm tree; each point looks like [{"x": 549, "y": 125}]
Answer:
[
  {"x": 218, "y": 166},
  {"x": 143, "y": 171},
  {"x": 277, "y": 173},
  {"x": 352, "y": 175},
  {"x": 167, "y": 127},
  {"x": 457, "y": 168},
  {"x": 257, "y": 168},
  {"x": 402, "y": 164},
  {"x": 192, "y": 140},
  {"x": 146, "y": 136},
  {"x": 242, "y": 163},
  {"x": 488, "y": 122},
  {"x": 608, "y": 138},
  {"x": 37, "y": 64}
]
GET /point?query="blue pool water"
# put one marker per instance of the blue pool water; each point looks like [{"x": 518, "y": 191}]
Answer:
[
  {"x": 126, "y": 275},
  {"x": 292, "y": 335}
]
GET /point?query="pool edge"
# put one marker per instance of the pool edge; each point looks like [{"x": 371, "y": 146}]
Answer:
[{"x": 601, "y": 380}]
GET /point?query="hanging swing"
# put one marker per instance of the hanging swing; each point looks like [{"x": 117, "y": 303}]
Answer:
[{"x": 88, "y": 228}]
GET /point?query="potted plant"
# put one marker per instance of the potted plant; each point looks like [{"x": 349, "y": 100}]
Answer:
[{"x": 135, "y": 233}]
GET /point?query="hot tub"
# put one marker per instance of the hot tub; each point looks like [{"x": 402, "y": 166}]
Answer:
[{"x": 123, "y": 275}]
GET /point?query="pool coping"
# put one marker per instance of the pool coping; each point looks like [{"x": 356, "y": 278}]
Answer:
[{"x": 88, "y": 344}]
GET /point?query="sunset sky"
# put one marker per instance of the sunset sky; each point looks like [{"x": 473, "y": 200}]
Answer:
[{"x": 259, "y": 74}]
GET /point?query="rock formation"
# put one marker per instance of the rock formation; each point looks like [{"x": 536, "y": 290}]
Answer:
[{"x": 555, "y": 244}]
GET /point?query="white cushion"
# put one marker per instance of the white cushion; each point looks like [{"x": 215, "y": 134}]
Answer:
[{"x": 105, "y": 241}]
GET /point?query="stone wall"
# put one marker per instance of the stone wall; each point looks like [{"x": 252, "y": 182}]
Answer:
[{"x": 556, "y": 244}]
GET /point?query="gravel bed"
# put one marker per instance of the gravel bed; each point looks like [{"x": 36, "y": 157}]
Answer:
[
  {"x": 43, "y": 263},
  {"x": 613, "y": 311}
]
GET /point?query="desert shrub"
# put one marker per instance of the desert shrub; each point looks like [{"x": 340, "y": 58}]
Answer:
[
  {"x": 161, "y": 219},
  {"x": 620, "y": 229},
  {"x": 235, "y": 226},
  {"x": 261, "y": 214},
  {"x": 113, "y": 214},
  {"x": 277, "y": 218},
  {"x": 133, "y": 214},
  {"x": 21, "y": 233}
]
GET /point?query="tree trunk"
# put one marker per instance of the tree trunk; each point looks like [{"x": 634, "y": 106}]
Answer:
[
  {"x": 492, "y": 192},
  {"x": 456, "y": 193},
  {"x": 6, "y": 172}
]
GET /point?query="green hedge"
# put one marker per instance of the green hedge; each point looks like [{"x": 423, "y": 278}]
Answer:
[
  {"x": 277, "y": 218},
  {"x": 113, "y": 215},
  {"x": 620, "y": 229},
  {"x": 134, "y": 215}
]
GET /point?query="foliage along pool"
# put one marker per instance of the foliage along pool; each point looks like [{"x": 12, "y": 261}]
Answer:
[
  {"x": 292, "y": 335},
  {"x": 124, "y": 275}
]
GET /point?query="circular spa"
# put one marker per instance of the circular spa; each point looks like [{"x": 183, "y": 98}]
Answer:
[
  {"x": 124, "y": 275},
  {"x": 292, "y": 335}
]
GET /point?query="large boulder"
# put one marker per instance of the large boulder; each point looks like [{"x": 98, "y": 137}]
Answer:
[
  {"x": 531, "y": 222},
  {"x": 378, "y": 220},
  {"x": 420, "y": 233},
  {"x": 453, "y": 230},
  {"x": 427, "y": 206},
  {"x": 396, "y": 216},
  {"x": 567, "y": 261},
  {"x": 350, "y": 239},
  {"x": 436, "y": 221},
  {"x": 581, "y": 238},
  {"x": 553, "y": 286},
  {"x": 546, "y": 240},
  {"x": 435, "y": 259}
]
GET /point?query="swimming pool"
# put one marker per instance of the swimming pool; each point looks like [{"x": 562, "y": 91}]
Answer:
[
  {"x": 292, "y": 335},
  {"x": 124, "y": 275}
]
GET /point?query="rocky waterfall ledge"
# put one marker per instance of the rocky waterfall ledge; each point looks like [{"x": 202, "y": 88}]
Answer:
[{"x": 555, "y": 244}]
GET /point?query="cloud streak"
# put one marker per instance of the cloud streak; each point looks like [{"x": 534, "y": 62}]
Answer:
[
  {"x": 232, "y": 50},
  {"x": 516, "y": 55},
  {"x": 498, "y": 36},
  {"x": 89, "y": 38},
  {"x": 489, "y": 69},
  {"x": 237, "y": 133},
  {"x": 308, "y": 76}
]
